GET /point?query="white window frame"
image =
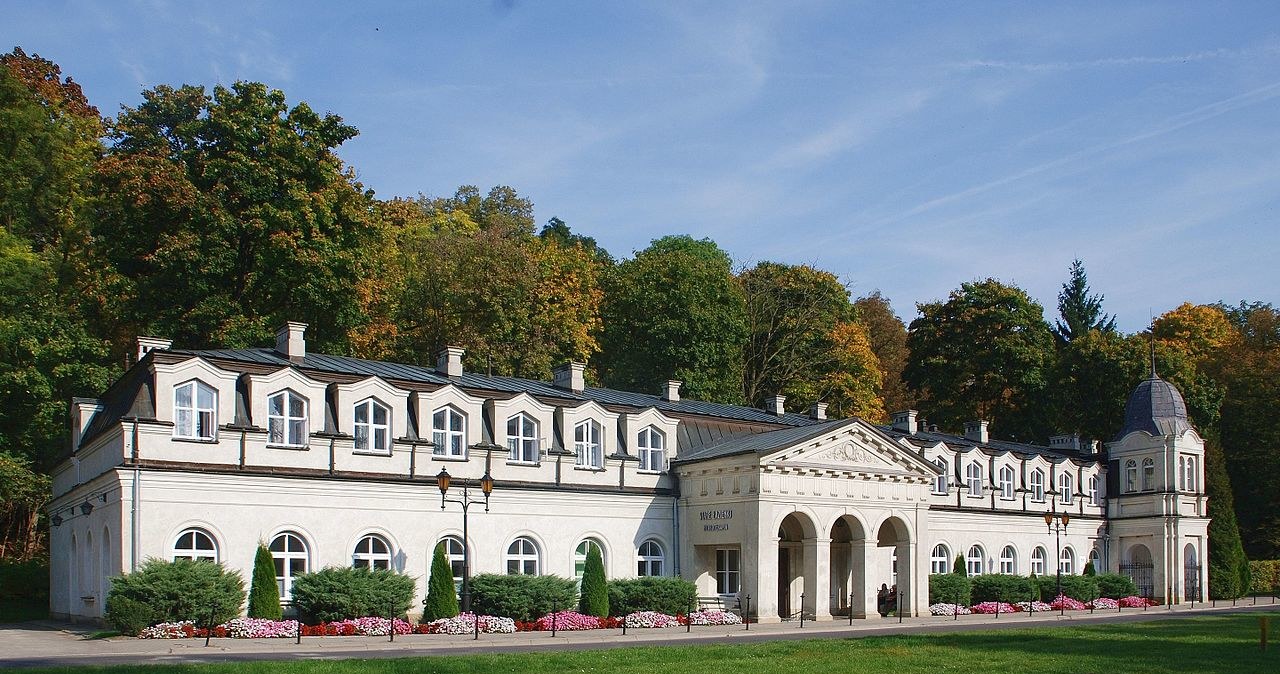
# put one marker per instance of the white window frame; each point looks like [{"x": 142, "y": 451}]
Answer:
[
  {"x": 940, "y": 483},
  {"x": 1039, "y": 561},
  {"x": 524, "y": 557},
  {"x": 449, "y": 441},
  {"x": 580, "y": 556},
  {"x": 195, "y": 421},
  {"x": 1006, "y": 483},
  {"x": 522, "y": 447},
  {"x": 588, "y": 445},
  {"x": 1037, "y": 485},
  {"x": 1182, "y": 473},
  {"x": 940, "y": 559},
  {"x": 286, "y": 569},
  {"x": 283, "y": 428},
  {"x": 376, "y": 437},
  {"x": 455, "y": 554},
  {"x": 1066, "y": 496},
  {"x": 728, "y": 571},
  {"x": 975, "y": 560},
  {"x": 1067, "y": 561},
  {"x": 973, "y": 475},
  {"x": 1009, "y": 560},
  {"x": 366, "y": 554},
  {"x": 651, "y": 446},
  {"x": 1148, "y": 475},
  {"x": 1095, "y": 490},
  {"x": 187, "y": 546},
  {"x": 651, "y": 559},
  {"x": 1130, "y": 476}
]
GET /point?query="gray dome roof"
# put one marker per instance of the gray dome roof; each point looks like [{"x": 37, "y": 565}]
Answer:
[{"x": 1156, "y": 407}]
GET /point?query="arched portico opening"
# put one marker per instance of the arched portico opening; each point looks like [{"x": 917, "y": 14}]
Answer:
[
  {"x": 796, "y": 534},
  {"x": 893, "y": 545},
  {"x": 1138, "y": 566},
  {"x": 848, "y": 567},
  {"x": 1191, "y": 573}
]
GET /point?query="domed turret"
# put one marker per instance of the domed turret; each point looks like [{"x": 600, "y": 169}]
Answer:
[{"x": 1156, "y": 407}]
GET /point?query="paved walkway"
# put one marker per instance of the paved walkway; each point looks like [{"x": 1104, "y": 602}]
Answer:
[{"x": 48, "y": 644}]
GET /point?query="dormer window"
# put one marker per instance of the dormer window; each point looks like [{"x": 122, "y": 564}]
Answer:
[
  {"x": 974, "y": 477},
  {"x": 195, "y": 413},
  {"x": 650, "y": 446},
  {"x": 287, "y": 419},
  {"x": 522, "y": 439},
  {"x": 1148, "y": 475},
  {"x": 449, "y": 433},
  {"x": 1095, "y": 490},
  {"x": 372, "y": 426},
  {"x": 1065, "y": 494},
  {"x": 1130, "y": 476},
  {"x": 940, "y": 482},
  {"x": 586, "y": 445},
  {"x": 1006, "y": 483},
  {"x": 1037, "y": 485}
]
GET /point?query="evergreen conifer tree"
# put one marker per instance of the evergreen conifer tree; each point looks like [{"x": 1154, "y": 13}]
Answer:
[
  {"x": 1228, "y": 565},
  {"x": 442, "y": 597},
  {"x": 1080, "y": 311},
  {"x": 264, "y": 594},
  {"x": 1088, "y": 569},
  {"x": 595, "y": 593},
  {"x": 958, "y": 567}
]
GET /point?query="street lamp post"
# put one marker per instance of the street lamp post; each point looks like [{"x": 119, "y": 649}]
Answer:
[
  {"x": 443, "y": 480},
  {"x": 1057, "y": 524}
]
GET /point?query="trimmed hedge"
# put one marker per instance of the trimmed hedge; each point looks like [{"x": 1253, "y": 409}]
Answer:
[
  {"x": 341, "y": 592},
  {"x": 1082, "y": 588},
  {"x": 26, "y": 581},
  {"x": 950, "y": 588},
  {"x": 1000, "y": 587},
  {"x": 1115, "y": 585},
  {"x": 1264, "y": 576},
  {"x": 654, "y": 593},
  {"x": 524, "y": 598},
  {"x": 161, "y": 591}
]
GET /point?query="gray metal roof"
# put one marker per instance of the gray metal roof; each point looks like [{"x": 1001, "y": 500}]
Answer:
[
  {"x": 923, "y": 439},
  {"x": 763, "y": 443},
  {"x": 1156, "y": 407}
]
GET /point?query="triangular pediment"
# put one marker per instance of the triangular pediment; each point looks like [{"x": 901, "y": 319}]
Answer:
[{"x": 853, "y": 448}]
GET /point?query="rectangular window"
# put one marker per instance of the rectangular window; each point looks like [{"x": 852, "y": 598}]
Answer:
[
  {"x": 728, "y": 570},
  {"x": 448, "y": 433},
  {"x": 586, "y": 445},
  {"x": 522, "y": 439}
]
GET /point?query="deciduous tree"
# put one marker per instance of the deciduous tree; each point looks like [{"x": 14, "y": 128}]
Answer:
[{"x": 888, "y": 338}]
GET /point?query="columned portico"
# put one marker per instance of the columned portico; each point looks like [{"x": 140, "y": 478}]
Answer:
[{"x": 817, "y": 578}]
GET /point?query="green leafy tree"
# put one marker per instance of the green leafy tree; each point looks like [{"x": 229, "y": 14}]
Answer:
[
  {"x": 888, "y": 338},
  {"x": 557, "y": 230},
  {"x": 264, "y": 594},
  {"x": 595, "y": 589},
  {"x": 985, "y": 353},
  {"x": 1080, "y": 311},
  {"x": 1093, "y": 376},
  {"x": 222, "y": 216},
  {"x": 1226, "y": 553},
  {"x": 675, "y": 311},
  {"x": 442, "y": 598}
]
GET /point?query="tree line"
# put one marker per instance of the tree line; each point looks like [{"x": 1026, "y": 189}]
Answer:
[{"x": 211, "y": 217}]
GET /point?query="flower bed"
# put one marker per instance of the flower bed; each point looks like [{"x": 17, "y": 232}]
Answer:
[
  {"x": 714, "y": 617},
  {"x": 1136, "y": 602},
  {"x": 260, "y": 628},
  {"x": 567, "y": 621},
  {"x": 466, "y": 624},
  {"x": 991, "y": 607},
  {"x": 651, "y": 619},
  {"x": 1036, "y": 606},
  {"x": 1065, "y": 603},
  {"x": 1103, "y": 603},
  {"x": 948, "y": 609}
]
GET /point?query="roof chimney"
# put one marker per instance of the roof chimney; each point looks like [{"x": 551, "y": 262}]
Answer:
[
  {"x": 905, "y": 421},
  {"x": 671, "y": 392},
  {"x": 568, "y": 376},
  {"x": 1065, "y": 441},
  {"x": 976, "y": 430},
  {"x": 148, "y": 344},
  {"x": 290, "y": 342},
  {"x": 82, "y": 411},
  {"x": 818, "y": 411},
  {"x": 449, "y": 362},
  {"x": 775, "y": 405}
]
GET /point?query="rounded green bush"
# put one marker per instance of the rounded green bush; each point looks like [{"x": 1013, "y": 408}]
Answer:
[
  {"x": 1000, "y": 587},
  {"x": 521, "y": 597},
  {"x": 950, "y": 588},
  {"x": 339, "y": 592},
  {"x": 653, "y": 593},
  {"x": 174, "y": 591},
  {"x": 1115, "y": 585}
]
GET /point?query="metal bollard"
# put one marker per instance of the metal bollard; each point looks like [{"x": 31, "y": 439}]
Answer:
[
  {"x": 208, "y": 629},
  {"x": 746, "y": 613},
  {"x": 391, "y": 624},
  {"x": 801, "y": 610},
  {"x": 688, "y": 619},
  {"x": 900, "y": 593},
  {"x": 850, "y": 609}
]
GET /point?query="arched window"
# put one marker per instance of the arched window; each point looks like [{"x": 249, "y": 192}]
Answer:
[
  {"x": 940, "y": 559},
  {"x": 650, "y": 444},
  {"x": 1065, "y": 495},
  {"x": 289, "y": 552},
  {"x": 456, "y": 556},
  {"x": 1037, "y": 485},
  {"x": 1191, "y": 473},
  {"x": 1038, "y": 559},
  {"x": 1008, "y": 560},
  {"x": 287, "y": 419},
  {"x": 973, "y": 475},
  {"x": 195, "y": 411},
  {"x": 1182, "y": 473},
  {"x": 522, "y": 439},
  {"x": 940, "y": 482},
  {"x": 1067, "y": 562},
  {"x": 649, "y": 559},
  {"x": 974, "y": 564},
  {"x": 372, "y": 552},
  {"x": 195, "y": 544},
  {"x": 580, "y": 556},
  {"x": 449, "y": 433},
  {"x": 1095, "y": 557},
  {"x": 1095, "y": 490},
  {"x": 1148, "y": 475},
  {"x": 1130, "y": 476},
  {"x": 372, "y": 426},
  {"x": 587, "y": 446},
  {"x": 522, "y": 558},
  {"x": 1006, "y": 483}
]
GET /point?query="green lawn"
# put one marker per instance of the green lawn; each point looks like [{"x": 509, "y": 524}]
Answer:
[{"x": 1209, "y": 644}]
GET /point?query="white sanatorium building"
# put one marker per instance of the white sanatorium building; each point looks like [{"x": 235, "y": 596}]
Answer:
[{"x": 332, "y": 461}]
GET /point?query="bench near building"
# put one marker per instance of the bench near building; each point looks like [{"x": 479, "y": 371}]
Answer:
[{"x": 333, "y": 461}]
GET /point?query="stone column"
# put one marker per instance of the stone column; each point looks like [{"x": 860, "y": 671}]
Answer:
[
  {"x": 864, "y": 594},
  {"x": 817, "y": 578}
]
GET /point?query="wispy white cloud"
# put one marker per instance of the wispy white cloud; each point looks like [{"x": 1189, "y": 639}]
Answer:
[{"x": 1115, "y": 62}]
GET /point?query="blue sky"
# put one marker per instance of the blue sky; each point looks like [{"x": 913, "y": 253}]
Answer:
[{"x": 907, "y": 147}]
